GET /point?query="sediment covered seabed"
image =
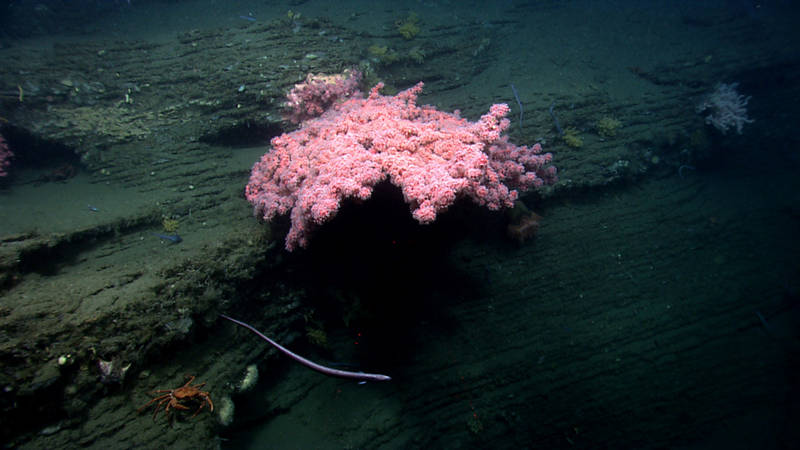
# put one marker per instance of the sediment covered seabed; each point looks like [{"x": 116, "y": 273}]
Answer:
[{"x": 656, "y": 307}]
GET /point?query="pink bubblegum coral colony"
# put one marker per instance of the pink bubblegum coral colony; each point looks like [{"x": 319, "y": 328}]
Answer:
[
  {"x": 434, "y": 157},
  {"x": 5, "y": 156}
]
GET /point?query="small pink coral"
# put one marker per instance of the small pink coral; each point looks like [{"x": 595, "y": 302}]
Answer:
[
  {"x": 5, "y": 156},
  {"x": 434, "y": 157},
  {"x": 318, "y": 92}
]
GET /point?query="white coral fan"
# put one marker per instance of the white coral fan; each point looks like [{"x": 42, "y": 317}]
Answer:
[
  {"x": 249, "y": 380},
  {"x": 726, "y": 108}
]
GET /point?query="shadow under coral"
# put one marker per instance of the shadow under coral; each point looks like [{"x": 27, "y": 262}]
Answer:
[{"x": 380, "y": 272}]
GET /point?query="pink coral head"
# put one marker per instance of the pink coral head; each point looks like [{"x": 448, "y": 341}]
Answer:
[{"x": 434, "y": 158}]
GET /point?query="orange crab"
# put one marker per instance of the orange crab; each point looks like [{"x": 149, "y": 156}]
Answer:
[{"x": 175, "y": 398}]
